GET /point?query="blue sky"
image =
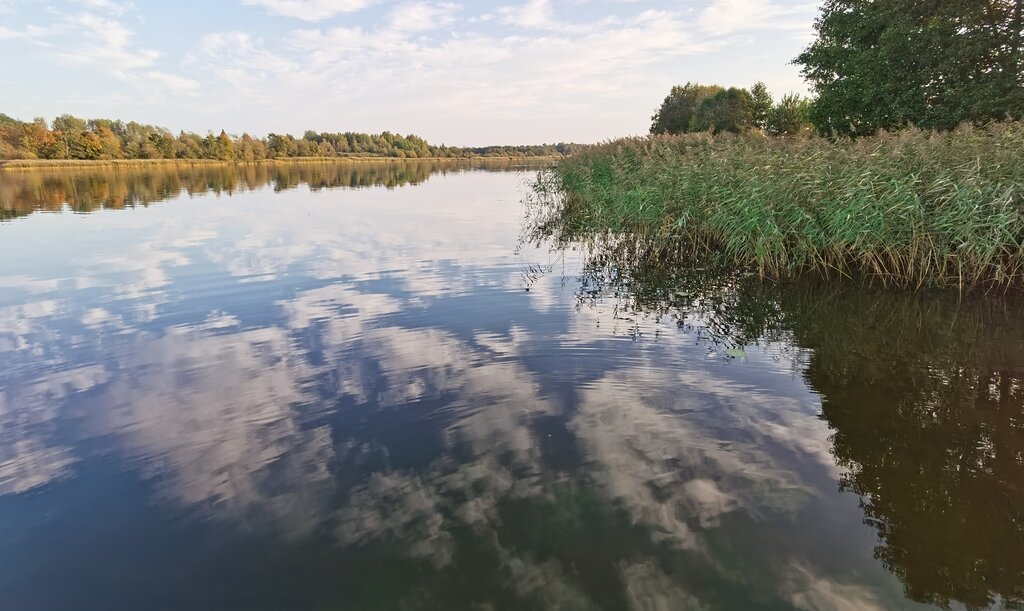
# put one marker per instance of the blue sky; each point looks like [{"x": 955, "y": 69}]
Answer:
[{"x": 456, "y": 72}]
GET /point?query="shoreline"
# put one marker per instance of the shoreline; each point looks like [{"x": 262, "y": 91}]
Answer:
[{"x": 74, "y": 164}]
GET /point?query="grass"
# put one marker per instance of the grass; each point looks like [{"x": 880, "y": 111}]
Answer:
[{"x": 912, "y": 208}]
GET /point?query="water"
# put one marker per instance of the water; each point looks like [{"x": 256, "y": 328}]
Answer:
[{"x": 376, "y": 386}]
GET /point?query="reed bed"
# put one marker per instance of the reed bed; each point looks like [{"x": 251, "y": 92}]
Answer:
[{"x": 912, "y": 208}]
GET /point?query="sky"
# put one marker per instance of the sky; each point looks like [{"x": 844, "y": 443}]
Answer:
[{"x": 462, "y": 73}]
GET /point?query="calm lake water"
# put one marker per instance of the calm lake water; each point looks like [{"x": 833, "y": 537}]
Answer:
[{"x": 378, "y": 386}]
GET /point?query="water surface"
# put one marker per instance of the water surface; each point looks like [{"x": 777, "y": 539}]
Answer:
[{"x": 377, "y": 386}]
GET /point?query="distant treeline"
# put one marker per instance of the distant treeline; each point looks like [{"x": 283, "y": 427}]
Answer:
[{"x": 69, "y": 137}]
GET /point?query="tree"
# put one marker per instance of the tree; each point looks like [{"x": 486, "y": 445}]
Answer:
[
  {"x": 790, "y": 117},
  {"x": 86, "y": 145},
  {"x": 259, "y": 149},
  {"x": 305, "y": 148},
  {"x": 281, "y": 146},
  {"x": 325, "y": 149},
  {"x": 729, "y": 110},
  {"x": 69, "y": 125},
  {"x": 31, "y": 139},
  {"x": 164, "y": 143},
  {"x": 109, "y": 143},
  {"x": 188, "y": 146},
  {"x": 246, "y": 148},
  {"x": 679, "y": 108},
  {"x": 882, "y": 64},
  {"x": 67, "y": 129},
  {"x": 761, "y": 104},
  {"x": 225, "y": 147}
]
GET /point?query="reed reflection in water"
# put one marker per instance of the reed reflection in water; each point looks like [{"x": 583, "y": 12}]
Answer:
[{"x": 923, "y": 395}]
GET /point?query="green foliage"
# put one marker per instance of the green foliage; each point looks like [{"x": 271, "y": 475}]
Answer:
[
  {"x": 701, "y": 108},
  {"x": 679, "y": 108},
  {"x": 67, "y": 124},
  {"x": 729, "y": 110},
  {"x": 790, "y": 117},
  {"x": 882, "y": 65},
  {"x": 912, "y": 208},
  {"x": 761, "y": 105}
]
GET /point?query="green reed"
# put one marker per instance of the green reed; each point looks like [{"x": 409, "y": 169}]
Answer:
[{"x": 912, "y": 208}]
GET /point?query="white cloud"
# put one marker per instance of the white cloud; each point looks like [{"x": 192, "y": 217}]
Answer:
[
  {"x": 240, "y": 59},
  {"x": 533, "y": 14},
  {"x": 172, "y": 83},
  {"x": 422, "y": 16},
  {"x": 104, "y": 43},
  {"x": 108, "y": 6},
  {"x": 29, "y": 284},
  {"x": 30, "y": 32},
  {"x": 461, "y": 77},
  {"x": 93, "y": 39},
  {"x": 462, "y": 73},
  {"x": 310, "y": 10},
  {"x": 731, "y": 16},
  {"x": 808, "y": 591}
]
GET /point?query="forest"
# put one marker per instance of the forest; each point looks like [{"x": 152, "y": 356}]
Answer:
[{"x": 69, "y": 137}]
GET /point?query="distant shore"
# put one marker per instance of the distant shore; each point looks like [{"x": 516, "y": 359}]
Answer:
[{"x": 59, "y": 164}]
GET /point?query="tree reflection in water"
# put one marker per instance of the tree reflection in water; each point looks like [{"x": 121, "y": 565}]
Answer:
[
  {"x": 23, "y": 192},
  {"x": 924, "y": 394}
]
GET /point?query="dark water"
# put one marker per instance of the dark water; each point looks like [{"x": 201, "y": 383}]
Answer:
[{"x": 363, "y": 387}]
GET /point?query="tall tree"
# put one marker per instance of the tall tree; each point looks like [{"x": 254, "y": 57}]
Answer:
[
  {"x": 729, "y": 110},
  {"x": 86, "y": 145},
  {"x": 790, "y": 117},
  {"x": 761, "y": 104},
  {"x": 680, "y": 106},
  {"x": 887, "y": 63},
  {"x": 225, "y": 147},
  {"x": 109, "y": 143}
]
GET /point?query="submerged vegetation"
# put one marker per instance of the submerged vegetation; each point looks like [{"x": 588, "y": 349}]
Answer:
[
  {"x": 913, "y": 208},
  {"x": 72, "y": 138}
]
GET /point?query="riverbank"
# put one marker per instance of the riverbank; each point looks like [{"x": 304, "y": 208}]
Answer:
[
  {"x": 57, "y": 164},
  {"x": 911, "y": 209}
]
